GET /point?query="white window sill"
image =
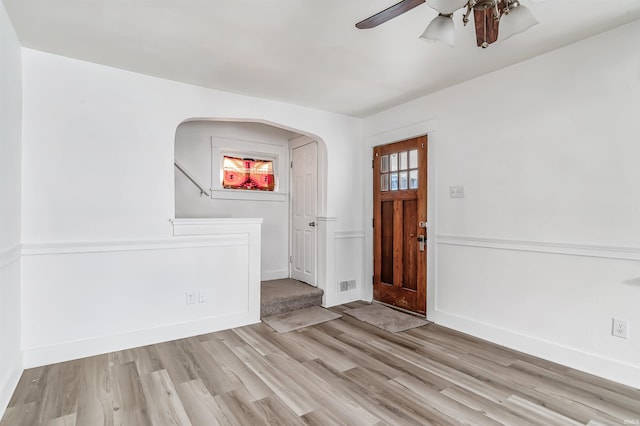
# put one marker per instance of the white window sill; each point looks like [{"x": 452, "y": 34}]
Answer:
[{"x": 241, "y": 194}]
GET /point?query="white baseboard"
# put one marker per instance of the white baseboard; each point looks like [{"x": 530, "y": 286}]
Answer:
[
  {"x": 342, "y": 298},
  {"x": 65, "y": 351},
  {"x": 277, "y": 274},
  {"x": 577, "y": 359}
]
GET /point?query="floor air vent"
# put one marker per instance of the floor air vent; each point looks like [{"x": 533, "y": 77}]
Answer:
[{"x": 347, "y": 285}]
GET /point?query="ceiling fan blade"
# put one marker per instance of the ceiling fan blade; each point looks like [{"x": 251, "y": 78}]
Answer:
[{"x": 389, "y": 13}]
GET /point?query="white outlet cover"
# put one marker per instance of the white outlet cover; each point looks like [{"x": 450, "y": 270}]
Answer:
[{"x": 620, "y": 328}]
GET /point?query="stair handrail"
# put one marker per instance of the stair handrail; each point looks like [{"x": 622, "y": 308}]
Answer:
[{"x": 191, "y": 178}]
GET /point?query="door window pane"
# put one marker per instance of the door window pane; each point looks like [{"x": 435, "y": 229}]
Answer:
[
  {"x": 403, "y": 160},
  {"x": 413, "y": 179},
  {"x": 384, "y": 182},
  {"x": 384, "y": 163},
  {"x": 393, "y": 162},
  {"x": 394, "y": 181},
  {"x": 413, "y": 159},
  {"x": 403, "y": 180}
]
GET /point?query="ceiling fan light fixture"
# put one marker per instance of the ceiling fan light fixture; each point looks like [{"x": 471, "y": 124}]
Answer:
[
  {"x": 494, "y": 20},
  {"x": 516, "y": 19},
  {"x": 446, "y": 7},
  {"x": 440, "y": 29}
]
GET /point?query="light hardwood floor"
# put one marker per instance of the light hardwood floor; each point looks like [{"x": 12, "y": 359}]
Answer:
[{"x": 340, "y": 372}]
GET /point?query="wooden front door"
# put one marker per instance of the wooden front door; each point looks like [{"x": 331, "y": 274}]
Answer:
[{"x": 399, "y": 224}]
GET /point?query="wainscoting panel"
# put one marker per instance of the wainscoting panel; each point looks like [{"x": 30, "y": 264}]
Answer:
[
  {"x": 549, "y": 300},
  {"x": 82, "y": 302},
  {"x": 349, "y": 267}
]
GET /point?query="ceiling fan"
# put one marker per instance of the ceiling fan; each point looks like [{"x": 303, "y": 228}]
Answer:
[{"x": 489, "y": 16}]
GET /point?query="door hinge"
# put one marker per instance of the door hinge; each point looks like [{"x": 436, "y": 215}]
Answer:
[
  {"x": 373, "y": 163},
  {"x": 373, "y": 279},
  {"x": 373, "y": 223},
  {"x": 292, "y": 164}
]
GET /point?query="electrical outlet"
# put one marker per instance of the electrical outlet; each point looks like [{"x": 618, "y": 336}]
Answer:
[
  {"x": 620, "y": 328},
  {"x": 191, "y": 297},
  {"x": 202, "y": 297}
]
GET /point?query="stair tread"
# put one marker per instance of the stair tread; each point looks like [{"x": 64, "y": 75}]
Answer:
[{"x": 285, "y": 295}]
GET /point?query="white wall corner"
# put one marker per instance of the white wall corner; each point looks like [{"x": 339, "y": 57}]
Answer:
[
  {"x": 10, "y": 255},
  {"x": 326, "y": 260},
  {"x": 8, "y": 385},
  {"x": 275, "y": 274}
]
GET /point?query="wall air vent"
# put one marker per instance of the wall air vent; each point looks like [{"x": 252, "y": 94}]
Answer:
[{"x": 346, "y": 285}]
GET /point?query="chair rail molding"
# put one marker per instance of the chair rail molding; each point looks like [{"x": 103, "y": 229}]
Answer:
[
  {"x": 343, "y": 235},
  {"x": 35, "y": 249},
  {"x": 571, "y": 249}
]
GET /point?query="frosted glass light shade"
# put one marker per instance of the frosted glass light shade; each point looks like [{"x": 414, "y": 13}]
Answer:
[
  {"x": 519, "y": 20},
  {"x": 440, "y": 29},
  {"x": 446, "y": 7}
]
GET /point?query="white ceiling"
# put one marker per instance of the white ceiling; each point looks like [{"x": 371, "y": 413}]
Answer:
[{"x": 305, "y": 52}]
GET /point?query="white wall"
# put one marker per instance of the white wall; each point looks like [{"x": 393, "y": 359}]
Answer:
[
  {"x": 193, "y": 151},
  {"x": 543, "y": 251},
  {"x": 100, "y": 146},
  {"x": 10, "y": 205},
  {"x": 98, "y": 177}
]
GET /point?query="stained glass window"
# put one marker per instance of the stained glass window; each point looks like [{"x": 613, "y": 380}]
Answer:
[{"x": 248, "y": 173}]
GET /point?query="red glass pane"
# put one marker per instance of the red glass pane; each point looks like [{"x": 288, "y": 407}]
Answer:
[{"x": 244, "y": 173}]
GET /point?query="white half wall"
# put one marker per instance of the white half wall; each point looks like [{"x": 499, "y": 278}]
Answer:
[
  {"x": 542, "y": 252},
  {"x": 10, "y": 208}
]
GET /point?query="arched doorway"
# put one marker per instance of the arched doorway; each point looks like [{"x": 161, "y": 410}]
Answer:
[{"x": 199, "y": 146}]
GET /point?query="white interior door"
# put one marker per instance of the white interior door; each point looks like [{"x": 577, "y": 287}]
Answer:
[{"x": 304, "y": 196}]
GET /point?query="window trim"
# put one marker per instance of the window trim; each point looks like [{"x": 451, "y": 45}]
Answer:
[{"x": 279, "y": 154}]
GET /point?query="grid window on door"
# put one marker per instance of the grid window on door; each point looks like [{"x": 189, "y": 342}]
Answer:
[{"x": 399, "y": 171}]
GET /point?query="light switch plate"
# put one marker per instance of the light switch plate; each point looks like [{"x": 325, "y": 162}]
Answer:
[{"x": 456, "y": 192}]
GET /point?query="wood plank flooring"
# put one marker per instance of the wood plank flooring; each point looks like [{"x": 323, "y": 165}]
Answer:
[{"x": 342, "y": 372}]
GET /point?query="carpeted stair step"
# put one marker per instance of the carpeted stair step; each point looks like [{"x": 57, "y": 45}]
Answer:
[{"x": 286, "y": 295}]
